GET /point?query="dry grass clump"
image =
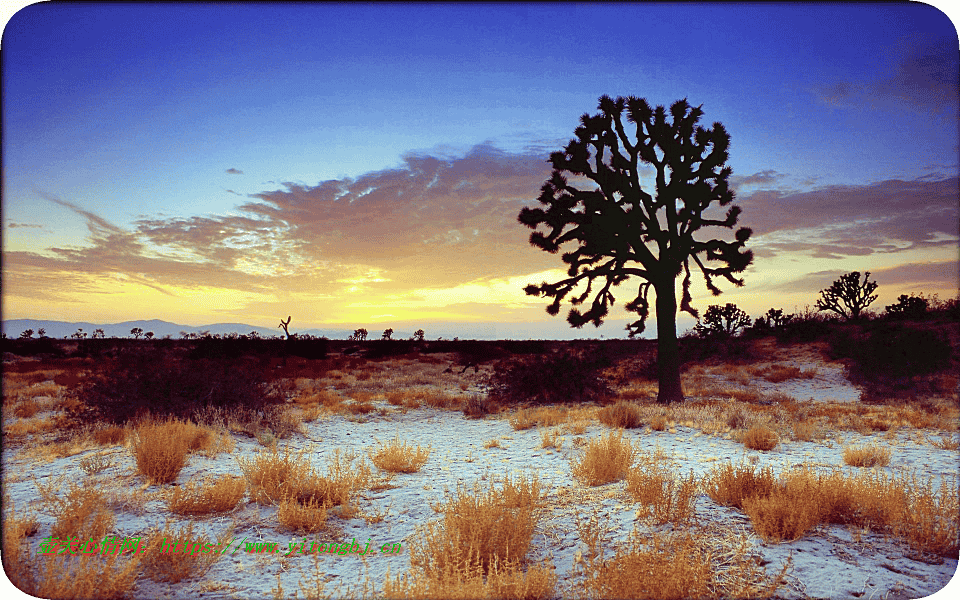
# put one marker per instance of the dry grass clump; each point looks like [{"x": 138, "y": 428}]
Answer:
[
  {"x": 691, "y": 564},
  {"x": 729, "y": 485},
  {"x": 805, "y": 431},
  {"x": 310, "y": 517},
  {"x": 946, "y": 442},
  {"x": 543, "y": 416},
  {"x": 759, "y": 437},
  {"x": 522, "y": 419},
  {"x": 866, "y": 456},
  {"x": 658, "y": 422},
  {"x": 664, "y": 497},
  {"x": 160, "y": 449},
  {"x": 95, "y": 463},
  {"x": 507, "y": 581},
  {"x": 273, "y": 477},
  {"x": 481, "y": 529},
  {"x": 220, "y": 495},
  {"x": 788, "y": 512},
  {"x": 550, "y": 438},
  {"x": 164, "y": 560},
  {"x": 605, "y": 459},
  {"x": 110, "y": 436},
  {"x": 360, "y": 408},
  {"x": 86, "y": 577},
  {"x": 82, "y": 514},
  {"x": 27, "y": 408},
  {"x": 621, "y": 415},
  {"x": 17, "y": 559},
  {"x": 399, "y": 457}
]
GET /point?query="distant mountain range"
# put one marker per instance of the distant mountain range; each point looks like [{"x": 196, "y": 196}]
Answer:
[
  {"x": 558, "y": 330},
  {"x": 61, "y": 329}
]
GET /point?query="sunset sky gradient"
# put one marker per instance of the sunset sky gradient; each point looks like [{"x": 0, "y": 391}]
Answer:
[{"x": 364, "y": 165}]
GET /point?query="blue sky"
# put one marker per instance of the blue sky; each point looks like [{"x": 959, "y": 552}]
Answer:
[{"x": 176, "y": 161}]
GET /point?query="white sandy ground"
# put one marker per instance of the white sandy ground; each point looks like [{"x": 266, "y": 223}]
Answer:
[{"x": 831, "y": 562}]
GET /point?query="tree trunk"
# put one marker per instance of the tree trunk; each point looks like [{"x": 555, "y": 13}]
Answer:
[{"x": 668, "y": 348}]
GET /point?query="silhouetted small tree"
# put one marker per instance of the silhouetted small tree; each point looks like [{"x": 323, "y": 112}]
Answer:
[
  {"x": 848, "y": 296},
  {"x": 418, "y": 335},
  {"x": 148, "y": 335},
  {"x": 724, "y": 320},
  {"x": 42, "y": 332},
  {"x": 285, "y": 325},
  {"x": 387, "y": 333},
  {"x": 136, "y": 332},
  {"x": 360, "y": 334},
  {"x": 776, "y": 318},
  {"x": 98, "y": 334},
  {"x": 622, "y": 230},
  {"x": 908, "y": 307},
  {"x": 26, "y": 334}
]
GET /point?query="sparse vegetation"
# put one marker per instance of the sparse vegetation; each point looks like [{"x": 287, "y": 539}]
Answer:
[
  {"x": 605, "y": 459},
  {"x": 399, "y": 457}
]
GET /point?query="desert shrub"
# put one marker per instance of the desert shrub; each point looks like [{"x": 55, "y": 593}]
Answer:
[
  {"x": 220, "y": 495},
  {"x": 273, "y": 477},
  {"x": 605, "y": 459},
  {"x": 138, "y": 382},
  {"x": 658, "y": 422},
  {"x": 480, "y": 528},
  {"x": 399, "y": 457},
  {"x": 623, "y": 415},
  {"x": 664, "y": 497},
  {"x": 110, "y": 436},
  {"x": 86, "y": 577},
  {"x": 174, "y": 555},
  {"x": 890, "y": 358},
  {"x": 729, "y": 485},
  {"x": 27, "y": 409},
  {"x": 83, "y": 514},
  {"x": 789, "y": 511},
  {"x": 309, "y": 517},
  {"x": 549, "y": 438},
  {"x": 476, "y": 407},
  {"x": 759, "y": 437},
  {"x": 161, "y": 449},
  {"x": 552, "y": 378},
  {"x": 866, "y": 456}
]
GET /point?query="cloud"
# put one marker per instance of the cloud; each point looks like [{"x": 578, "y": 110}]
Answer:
[
  {"x": 924, "y": 78},
  {"x": 855, "y": 220},
  {"x": 232, "y": 171},
  {"x": 767, "y": 177},
  {"x": 27, "y": 225}
]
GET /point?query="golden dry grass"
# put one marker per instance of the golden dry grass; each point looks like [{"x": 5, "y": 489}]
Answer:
[
  {"x": 399, "y": 457},
  {"x": 624, "y": 415},
  {"x": 309, "y": 517},
  {"x": 62, "y": 578},
  {"x": 729, "y": 485},
  {"x": 549, "y": 438},
  {"x": 83, "y": 513},
  {"x": 493, "y": 443},
  {"x": 164, "y": 560},
  {"x": 161, "y": 449},
  {"x": 481, "y": 528},
  {"x": 219, "y": 495},
  {"x": 604, "y": 460},
  {"x": 27, "y": 409},
  {"x": 663, "y": 496},
  {"x": 759, "y": 437},
  {"x": 866, "y": 456}
]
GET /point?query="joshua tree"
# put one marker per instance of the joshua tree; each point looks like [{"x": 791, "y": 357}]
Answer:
[
  {"x": 386, "y": 334},
  {"x": 26, "y": 334},
  {"x": 622, "y": 230},
  {"x": 284, "y": 325},
  {"x": 136, "y": 332},
  {"x": 360, "y": 334},
  {"x": 847, "y": 296},
  {"x": 148, "y": 335},
  {"x": 42, "y": 332},
  {"x": 79, "y": 335},
  {"x": 418, "y": 335},
  {"x": 725, "y": 320},
  {"x": 98, "y": 334},
  {"x": 776, "y": 318}
]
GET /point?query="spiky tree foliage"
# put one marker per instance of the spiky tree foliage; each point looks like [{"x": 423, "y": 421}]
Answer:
[
  {"x": 725, "y": 320},
  {"x": 848, "y": 296},
  {"x": 26, "y": 334},
  {"x": 776, "y": 318},
  {"x": 621, "y": 230},
  {"x": 418, "y": 335}
]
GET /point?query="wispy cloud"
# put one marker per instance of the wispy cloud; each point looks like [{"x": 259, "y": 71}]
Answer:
[
  {"x": 924, "y": 78},
  {"x": 232, "y": 171}
]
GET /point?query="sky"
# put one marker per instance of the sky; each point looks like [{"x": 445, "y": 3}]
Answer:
[{"x": 363, "y": 165}]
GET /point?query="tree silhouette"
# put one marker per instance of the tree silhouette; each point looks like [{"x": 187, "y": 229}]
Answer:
[
  {"x": 98, "y": 334},
  {"x": 386, "y": 334},
  {"x": 622, "y": 230},
  {"x": 848, "y": 296},
  {"x": 42, "y": 332},
  {"x": 907, "y": 307},
  {"x": 26, "y": 334},
  {"x": 725, "y": 320},
  {"x": 284, "y": 325},
  {"x": 148, "y": 335},
  {"x": 136, "y": 332},
  {"x": 360, "y": 334},
  {"x": 418, "y": 335}
]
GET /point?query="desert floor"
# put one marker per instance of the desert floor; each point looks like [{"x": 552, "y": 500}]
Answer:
[{"x": 832, "y": 561}]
